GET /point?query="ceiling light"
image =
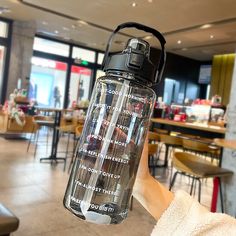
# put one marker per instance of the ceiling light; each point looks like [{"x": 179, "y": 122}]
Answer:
[
  {"x": 206, "y": 26},
  {"x": 179, "y": 41},
  {"x": 4, "y": 10},
  {"x": 147, "y": 37},
  {"x": 211, "y": 36},
  {"x": 73, "y": 26},
  {"x": 56, "y": 31},
  {"x": 81, "y": 22},
  {"x": 150, "y": 1},
  {"x": 134, "y": 4},
  {"x": 44, "y": 22}
]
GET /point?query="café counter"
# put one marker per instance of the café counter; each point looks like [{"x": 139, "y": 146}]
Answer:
[{"x": 204, "y": 130}]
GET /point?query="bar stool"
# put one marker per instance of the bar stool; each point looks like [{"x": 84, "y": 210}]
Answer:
[{"x": 197, "y": 168}]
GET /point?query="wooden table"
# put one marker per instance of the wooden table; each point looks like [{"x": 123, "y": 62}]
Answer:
[
  {"x": 225, "y": 143},
  {"x": 55, "y": 138},
  {"x": 213, "y": 130}
]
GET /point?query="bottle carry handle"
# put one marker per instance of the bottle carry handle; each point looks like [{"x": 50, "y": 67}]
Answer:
[{"x": 157, "y": 34}]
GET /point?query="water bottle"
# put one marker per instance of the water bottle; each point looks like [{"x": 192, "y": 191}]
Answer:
[{"x": 111, "y": 144}]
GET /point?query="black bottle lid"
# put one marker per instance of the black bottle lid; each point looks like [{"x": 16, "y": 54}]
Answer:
[{"x": 134, "y": 59}]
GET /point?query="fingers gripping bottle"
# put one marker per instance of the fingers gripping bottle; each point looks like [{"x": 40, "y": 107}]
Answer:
[{"x": 111, "y": 144}]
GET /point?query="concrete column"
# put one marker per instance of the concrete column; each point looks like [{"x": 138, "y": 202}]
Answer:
[
  {"x": 21, "y": 53},
  {"x": 229, "y": 155}
]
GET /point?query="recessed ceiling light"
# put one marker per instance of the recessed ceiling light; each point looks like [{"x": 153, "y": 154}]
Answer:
[
  {"x": 147, "y": 37},
  {"x": 44, "y": 22},
  {"x": 134, "y": 4},
  {"x": 81, "y": 22},
  {"x": 211, "y": 36},
  {"x": 179, "y": 41},
  {"x": 206, "y": 26},
  {"x": 56, "y": 31},
  {"x": 150, "y": 1}
]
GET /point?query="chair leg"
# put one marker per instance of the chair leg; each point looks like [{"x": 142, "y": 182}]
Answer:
[
  {"x": 221, "y": 196},
  {"x": 74, "y": 155},
  {"x": 131, "y": 203},
  {"x": 30, "y": 139},
  {"x": 36, "y": 143},
  {"x": 166, "y": 156},
  {"x": 67, "y": 150},
  {"x": 199, "y": 190},
  {"x": 191, "y": 190},
  {"x": 173, "y": 180}
]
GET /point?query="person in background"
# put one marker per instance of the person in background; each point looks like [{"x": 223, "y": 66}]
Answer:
[
  {"x": 57, "y": 97},
  {"x": 177, "y": 214}
]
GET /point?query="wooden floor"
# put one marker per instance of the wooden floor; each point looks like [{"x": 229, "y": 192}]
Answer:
[{"x": 34, "y": 192}]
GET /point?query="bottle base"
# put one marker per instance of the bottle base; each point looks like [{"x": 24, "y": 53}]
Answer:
[{"x": 98, "y": 216}]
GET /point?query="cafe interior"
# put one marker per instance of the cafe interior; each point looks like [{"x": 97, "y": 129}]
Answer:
[{"x": 51, "y": 58}]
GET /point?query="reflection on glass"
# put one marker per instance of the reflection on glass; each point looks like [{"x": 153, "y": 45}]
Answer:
[
  {"x": 100, "y": 58},
  {"x": 80, "y": 83},
  {"x": 3, "y": 29},
  {"x": 2, "y": 59},
  {"x": 47, "y": 82},
  {"x": 100, "y": 73},
  {"x": 49, "y": 46},
  {"x": 83, "y": 54}
]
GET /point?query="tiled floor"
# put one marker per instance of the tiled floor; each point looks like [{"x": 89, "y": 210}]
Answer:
[{"x": 34, "y": 192}]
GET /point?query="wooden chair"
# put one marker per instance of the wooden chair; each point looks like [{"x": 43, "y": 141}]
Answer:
[
  {"x": 39, "y": 122},
  {"x": 197, "y": 168},
  {"x": 170, "y": 142},
  {"x": 69, "y": 130},
  {"x": 152, "y": 150},
  {"x": 78, "y": 132}
]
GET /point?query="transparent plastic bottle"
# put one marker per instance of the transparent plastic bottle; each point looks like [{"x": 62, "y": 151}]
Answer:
[{"x": 103, "y": 174}]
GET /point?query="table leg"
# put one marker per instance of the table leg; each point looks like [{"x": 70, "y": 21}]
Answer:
[{"x": 55, "y": 139}]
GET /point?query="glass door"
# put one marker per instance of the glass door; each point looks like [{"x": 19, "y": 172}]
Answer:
[
  {"x": 80, "y": 85},
  {"x": 2, "y": 60},
  {"x": 47, "y": 82}
]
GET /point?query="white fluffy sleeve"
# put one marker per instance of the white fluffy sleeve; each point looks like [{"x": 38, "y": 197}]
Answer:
[{"x": 185, "y": 216}]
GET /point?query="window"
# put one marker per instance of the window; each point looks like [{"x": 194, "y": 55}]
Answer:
[
  {"x": 100, "y": 58},
  {"x": 49, "y": 46},
  {"x": 3, "y": 29},
  {"x": 83, "y": 54},
  {"x": 100, "y": 73},
  {"x": 80, "y": 83},
  {"x": 47, "y": 82}
]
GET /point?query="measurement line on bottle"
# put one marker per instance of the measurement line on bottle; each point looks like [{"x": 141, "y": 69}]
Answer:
[
  {"x": 113, "y": 108},
  {"x": 130, "y": 96},
  {"x": 107, "y": 157},
  {"x": 103, "y": 173}
]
